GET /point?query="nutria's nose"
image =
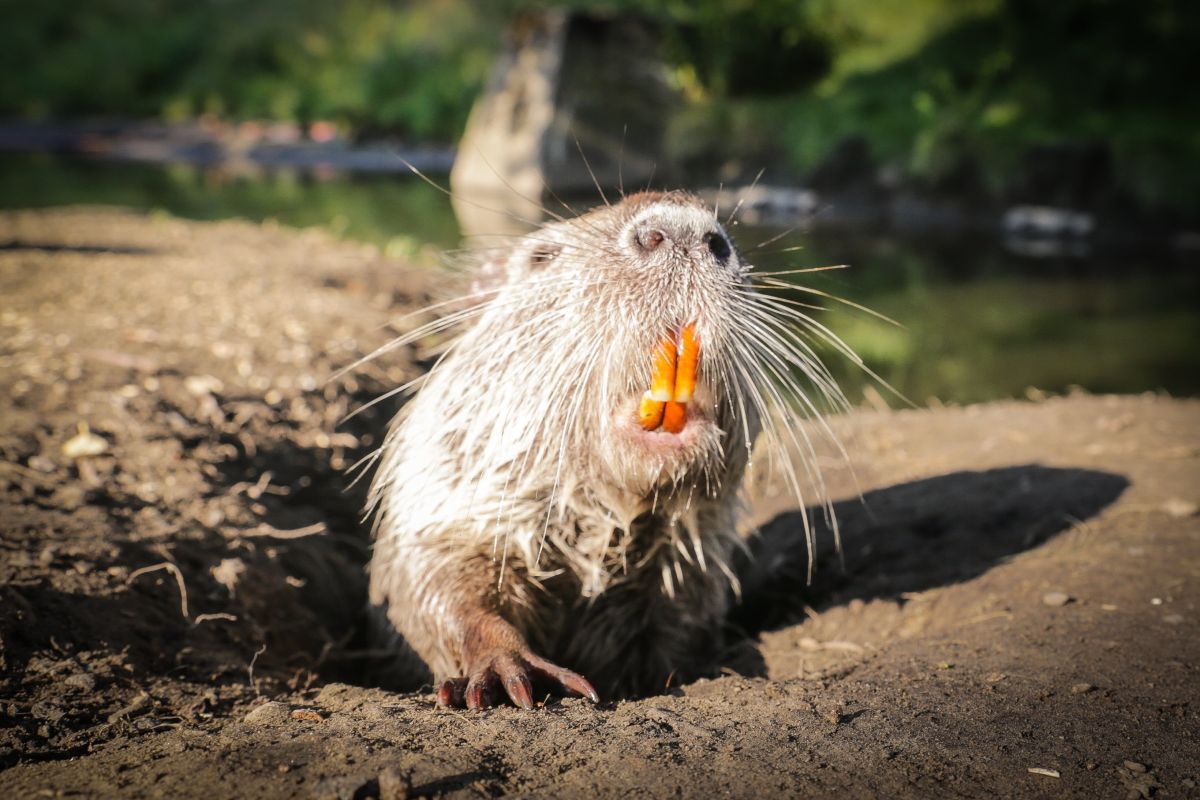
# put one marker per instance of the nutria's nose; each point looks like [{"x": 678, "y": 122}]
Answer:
[
  {"x": 718, "y": 245},
  {"x": 649, "y": 239},
  {"x": 651, "y": 235}
]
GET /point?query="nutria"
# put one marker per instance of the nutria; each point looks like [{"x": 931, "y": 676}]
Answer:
[{"x": 560, "y": 498}]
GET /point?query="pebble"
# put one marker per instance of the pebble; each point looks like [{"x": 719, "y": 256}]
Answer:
[
  {"x": 269, "y": 714},
  {"x": 84, "y": 444},
  {"x": 1134, "y": 766},
  {"x": 1179, "y": 509},
  {"x": 1081, "y": 688},
  {"x": 1055, "y": 599},
  {"x": 81, "y": 681},
  {"x": 47, "y": 711},
  {"x": 392, "y": 785},
  {"x": 42, "y": 464},
  {"x": 202, "y": 385},
  {"x": 307, "y": 714},
  {"x": 211, "y": 517},
  {"x": 140, "y": 702}
]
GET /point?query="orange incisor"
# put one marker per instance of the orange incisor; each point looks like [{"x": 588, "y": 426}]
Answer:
[{"x": 672, "y": 382}]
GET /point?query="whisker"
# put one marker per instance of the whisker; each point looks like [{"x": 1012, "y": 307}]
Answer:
[
  {"x": 620, "y": 160},
  {"x": 808, "y": 289},
  {"x": 588, "y": 165},
  {"x": 774, "y": 238},
  {"x": 742, "y": 199},
  {"x": 792, "y": 249},
  {"x": 453, "y": 195}
]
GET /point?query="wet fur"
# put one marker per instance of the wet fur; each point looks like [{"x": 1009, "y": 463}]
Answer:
[{"x": 510, "y": 486}]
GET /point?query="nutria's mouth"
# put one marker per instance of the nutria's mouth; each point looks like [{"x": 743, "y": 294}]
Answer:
[{"x": 672, "y": 382}]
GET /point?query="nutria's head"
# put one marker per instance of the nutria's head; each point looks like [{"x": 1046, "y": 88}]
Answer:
[
  {"x": 626, "y": 349},
  {"x": 610, "y": 365}
]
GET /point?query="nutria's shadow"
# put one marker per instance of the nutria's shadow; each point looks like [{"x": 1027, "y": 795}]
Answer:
[
  {"x": 911, "y": 537},
  {"x": 329, "y": 568},
  {"x": 900, "y": 539}
]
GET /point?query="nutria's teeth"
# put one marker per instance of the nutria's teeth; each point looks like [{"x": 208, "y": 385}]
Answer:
[
  {"x": 674, "y": 417},
  {"x": 650, "y": 412},
  {"x": 662, "y": 379},
  {"x": 672, "y": 382},
  {"x": 689, "y": 358}
]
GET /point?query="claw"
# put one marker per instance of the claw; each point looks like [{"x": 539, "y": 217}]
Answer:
[
  {"x": 478, "y": 696},
  {"x": 519, "y": 689},
  {"x": 451, "y": 694},
  {"x": 516, "y": 673},
  {"x": 572, "y": 681},
  {"x": 516, "y": 683}
]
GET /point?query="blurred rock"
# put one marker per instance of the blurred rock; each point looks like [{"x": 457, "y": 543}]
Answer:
[{"x": 564, "y": 82}]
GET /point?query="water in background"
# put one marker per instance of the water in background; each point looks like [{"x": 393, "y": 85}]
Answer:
[{"x": 978, "y": 322}]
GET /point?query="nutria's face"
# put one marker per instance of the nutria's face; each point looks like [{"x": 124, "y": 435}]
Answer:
[{"x": 648, "y": 296}]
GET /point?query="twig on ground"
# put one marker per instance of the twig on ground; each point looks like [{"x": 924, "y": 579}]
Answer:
[
  {"x": 250, "y": 670},
  {"x": 294, "y": 533},
  {"x": 174, "y": 570}
]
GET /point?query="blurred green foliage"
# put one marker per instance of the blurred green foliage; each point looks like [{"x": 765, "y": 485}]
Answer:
[
  {"x": 935, "y": 84},
  {"x": 978, "y": 323},
  {"x": 930, "y": 84},
  {"x": 373, "y": 66}
]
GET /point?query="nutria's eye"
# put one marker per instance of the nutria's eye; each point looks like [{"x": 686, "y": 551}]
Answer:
[
  {"x": 718, "y": 245},
  {"x": 650, "y": 240},
  {"x": 542, "y": 256}
]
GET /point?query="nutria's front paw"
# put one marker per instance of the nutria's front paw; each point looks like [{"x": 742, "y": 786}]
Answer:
[{"x": 517, "y": 673}]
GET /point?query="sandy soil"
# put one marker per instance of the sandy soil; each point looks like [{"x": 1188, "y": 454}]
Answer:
[{"x": 1016, "y": 615}]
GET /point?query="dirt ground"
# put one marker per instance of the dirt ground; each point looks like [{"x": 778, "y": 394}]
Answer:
[{"x": 180, "y": 567}]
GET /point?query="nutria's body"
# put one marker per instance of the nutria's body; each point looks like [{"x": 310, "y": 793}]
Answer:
[{"x": 529, "y": 530}]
